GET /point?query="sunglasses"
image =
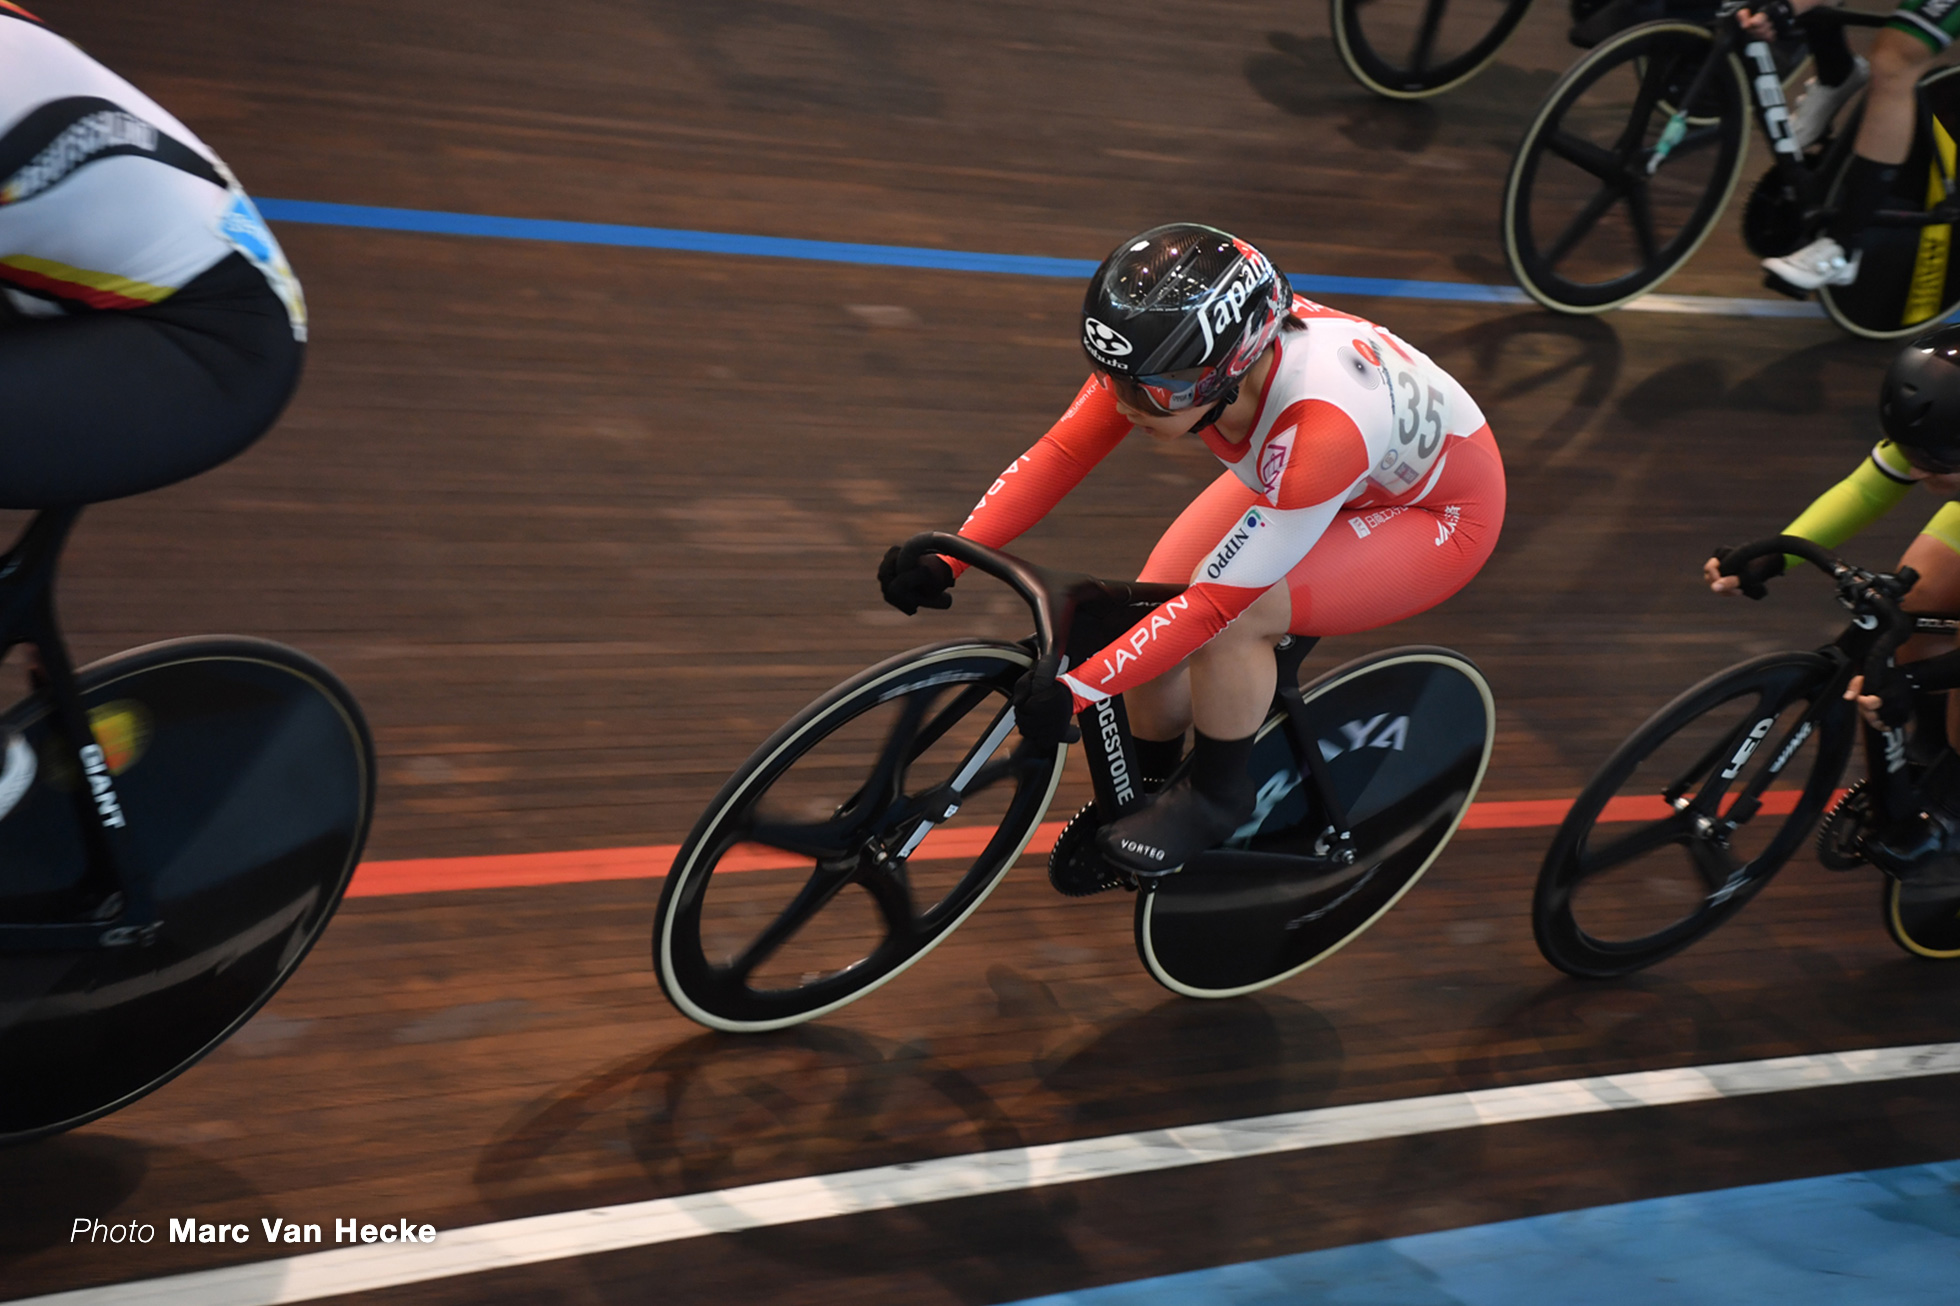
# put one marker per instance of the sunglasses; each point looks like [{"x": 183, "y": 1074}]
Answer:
[{"x": 1168, "y": 394}]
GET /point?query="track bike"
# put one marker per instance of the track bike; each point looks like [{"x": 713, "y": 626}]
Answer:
[
  {"x": 177, "y": 824},
  {"x": 866, "y": 829},
  {"x": 1653, "y": 126},
  {"x": 1705, "y": 802}
]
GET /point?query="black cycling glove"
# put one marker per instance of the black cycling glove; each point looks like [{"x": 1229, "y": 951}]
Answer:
[
  {"x": 922, "y": 585},
  {"x": 1782, "y": 16},
  {"x": 1044, "y": 709},
  {"x": 1757, "y": 573}
]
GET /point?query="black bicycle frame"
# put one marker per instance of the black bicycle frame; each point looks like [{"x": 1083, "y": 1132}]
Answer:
[
  {"x": 1809, "y": 182},
  {"x": 1080, "y": 615},
  {"x": 1878, "y": 627},
  {"x": 126, "y": 913}
]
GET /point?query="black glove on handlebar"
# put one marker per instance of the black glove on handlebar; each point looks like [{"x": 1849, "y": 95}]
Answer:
[
  {"x": 1044, "y": 709},
  {"x": 1782, "y": 16},
  {"x": 1756, "y": 573},
  {"x": 922, "y": 585}
]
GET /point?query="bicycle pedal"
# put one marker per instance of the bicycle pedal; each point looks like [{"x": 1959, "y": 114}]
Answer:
[
  {"x": 1075, "y": 868},
  {"x": 1085, "y": 877},
  {"x": 1773, "y": 282}
]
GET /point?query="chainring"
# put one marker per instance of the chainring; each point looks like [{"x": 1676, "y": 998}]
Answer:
[
  {"x": 1773, "y": 219},
  {"x": 1076, "y": 867},
  {"x": 1841, "y": 838}
]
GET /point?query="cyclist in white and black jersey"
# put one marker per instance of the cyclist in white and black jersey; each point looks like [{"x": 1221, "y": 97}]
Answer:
[{"x": 150, "y": 327}]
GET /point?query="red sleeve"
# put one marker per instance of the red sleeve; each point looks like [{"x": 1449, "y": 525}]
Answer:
[
  {"x": 1171, "y": 633},
  {"x": 1036, "y": 481}
]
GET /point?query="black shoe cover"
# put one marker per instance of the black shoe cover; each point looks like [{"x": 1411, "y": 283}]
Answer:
[
  {"x": 1926, "y": 852},
  {"x": 1176, "y": 826}
]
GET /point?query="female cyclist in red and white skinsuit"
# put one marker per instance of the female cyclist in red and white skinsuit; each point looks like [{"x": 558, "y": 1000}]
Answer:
[{"x": 1362, "y": 487}]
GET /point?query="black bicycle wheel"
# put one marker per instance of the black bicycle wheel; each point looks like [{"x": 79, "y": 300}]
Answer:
[
  {"x": 1595, "y": 213},
  {"x": 1410, "y": 49},
  {"x": 1908, "y": 277},
  {"x": 1923, "y": 919},
  {"x": 246, "y": 776},
  {"x": 1405, "y": 735},
  {"x": 805, "y": 885},
  {"x": 1691, "y": 816}
]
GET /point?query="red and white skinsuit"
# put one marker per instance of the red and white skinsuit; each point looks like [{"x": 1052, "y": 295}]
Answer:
[{"x": 1370, "y": 486}]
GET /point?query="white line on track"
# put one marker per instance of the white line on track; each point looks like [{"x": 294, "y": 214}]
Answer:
[
  {"x": 1720, "y": 306},
  {"x": 509, "y": 1243}
]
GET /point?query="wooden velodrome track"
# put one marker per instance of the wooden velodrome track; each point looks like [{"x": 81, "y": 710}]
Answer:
[{"x": 580, "y": 525}]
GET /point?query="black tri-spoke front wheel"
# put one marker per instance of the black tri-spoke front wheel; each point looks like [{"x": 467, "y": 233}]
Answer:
[
  {"x": 1409, "y": 49},
  {"x": 1620, "y": 177},
  {"x": 1692, "y": 815},
  {"x": 853, "y": 841}
]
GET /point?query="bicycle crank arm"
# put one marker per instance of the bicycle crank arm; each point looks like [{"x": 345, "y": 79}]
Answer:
[{"x": 1943, "y": 214}]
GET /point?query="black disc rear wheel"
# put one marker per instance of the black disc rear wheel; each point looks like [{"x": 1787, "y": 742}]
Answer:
[
  {"x": 1691, "y": 816},
  {"x": 853, "y": 841},
  {"x": 1404, "y": 736},
  {"x": 1923, "y": 919},
  {"x": 246, "y": 777}
]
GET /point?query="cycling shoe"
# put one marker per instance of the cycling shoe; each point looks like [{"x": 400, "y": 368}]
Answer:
[{"x": 1176, "y": 826}]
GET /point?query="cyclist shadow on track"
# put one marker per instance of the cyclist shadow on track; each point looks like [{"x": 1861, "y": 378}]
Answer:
[
  {"x": 1183, "y": 1062},
  {"x": 109, "y": 1178},
  {"x": 1302, "y": 76},
  {"x": 1544, "y": 376},
  {"x": 1805, "y": 382},
  {"x": 1575, "y": 1028},
  {"x": 717, "y": 1112}
]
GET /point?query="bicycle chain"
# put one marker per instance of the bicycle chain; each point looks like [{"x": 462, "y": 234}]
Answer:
[
  {"x": 1076, "y": 867},
  {"x": 1841, "y": 837}
]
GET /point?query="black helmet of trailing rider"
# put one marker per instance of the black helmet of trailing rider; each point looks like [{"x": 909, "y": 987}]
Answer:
[{"x": 1919, "y": 404}]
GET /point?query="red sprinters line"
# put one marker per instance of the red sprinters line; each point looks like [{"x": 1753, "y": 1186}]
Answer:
[{"x": 524, "y": 870}]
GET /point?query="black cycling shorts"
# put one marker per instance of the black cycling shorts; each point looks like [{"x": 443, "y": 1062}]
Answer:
[{"x": 101, "y": 405}]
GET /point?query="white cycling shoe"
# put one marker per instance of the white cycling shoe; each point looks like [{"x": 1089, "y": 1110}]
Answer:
[
  {"x": 1820, "y": 263},
  {"x": 1818, "y": 106}
]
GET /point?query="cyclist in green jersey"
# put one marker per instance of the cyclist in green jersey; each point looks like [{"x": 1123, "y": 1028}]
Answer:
[
  {"x": 1919, "y": 408},
  {"x": 1918, "y": 30}
]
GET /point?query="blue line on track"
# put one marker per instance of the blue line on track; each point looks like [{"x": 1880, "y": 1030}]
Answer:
[
  {"x": 1890, "y": 1236},
  {"x": 821, "y": 251}
]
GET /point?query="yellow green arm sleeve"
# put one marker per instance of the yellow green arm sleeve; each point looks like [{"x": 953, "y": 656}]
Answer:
[{"x": 1851, "y": 505}]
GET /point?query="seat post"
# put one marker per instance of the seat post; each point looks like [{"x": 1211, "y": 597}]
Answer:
[{"x": 1290, "y": 652}]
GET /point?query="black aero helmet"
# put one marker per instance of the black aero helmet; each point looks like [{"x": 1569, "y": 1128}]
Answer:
[
  {"x": 1919, "y": 404},
  {"x": 1179, "y": 313}
]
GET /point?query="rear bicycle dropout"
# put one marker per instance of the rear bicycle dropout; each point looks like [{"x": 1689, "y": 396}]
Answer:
[{"x": 1400, "y": 742}]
